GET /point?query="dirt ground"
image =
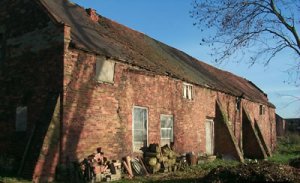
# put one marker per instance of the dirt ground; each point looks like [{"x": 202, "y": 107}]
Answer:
[
  {"x": 254, "y": 172},
  {"x": 262, "y": 171}
]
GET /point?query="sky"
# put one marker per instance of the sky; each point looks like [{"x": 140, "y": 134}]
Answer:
[{"x": 169, "y": 21}]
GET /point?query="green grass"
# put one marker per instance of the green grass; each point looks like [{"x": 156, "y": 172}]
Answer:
[
  {"x": 288, "y": 148},
  {"x": 217, "y": 163},
  {"x": 13, "y": 180}
]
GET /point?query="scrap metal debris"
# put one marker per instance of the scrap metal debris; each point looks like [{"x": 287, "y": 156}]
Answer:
[{"x": 96, "y": 167}]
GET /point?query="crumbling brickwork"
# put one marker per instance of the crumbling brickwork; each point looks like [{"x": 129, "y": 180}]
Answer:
[
  {"x": 101, "y": 114},
  {"x": 70, "y": 113}
]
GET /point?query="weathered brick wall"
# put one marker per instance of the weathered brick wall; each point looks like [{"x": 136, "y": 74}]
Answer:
[
  {"x": 30, "y": 75},
  {"x": 35, "y": 69},
  {"x": 266, "y": 122},
  {"x": 100, "y": 115}
]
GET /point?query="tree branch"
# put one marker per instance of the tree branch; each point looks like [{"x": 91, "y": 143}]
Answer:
[{"x": 292, "y": 29}]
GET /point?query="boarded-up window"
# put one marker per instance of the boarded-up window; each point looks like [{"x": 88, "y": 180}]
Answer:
[
  {"x": 105, "y": 70},
  {"x": 166, "y": 129},
  {"x": 21, "y": 118},
  {"x": 140, "y": 128},
  {"x": 187, "y": 91}
]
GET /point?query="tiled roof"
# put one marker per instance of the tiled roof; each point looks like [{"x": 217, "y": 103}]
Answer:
[{"x": 111, "y": 39}]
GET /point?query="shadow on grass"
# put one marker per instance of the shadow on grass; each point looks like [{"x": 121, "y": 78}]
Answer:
[{"x": 183, "y": 180}]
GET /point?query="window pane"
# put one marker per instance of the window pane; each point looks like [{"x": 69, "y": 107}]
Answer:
[
  {"x": 138, "y": 118},
  {"x": 166, "y": 122},
  {"x": 166, "y": 133},
  {"x": 138, "y": 135},
  {"x": 189, "y": 92},
  {"x": 139, "y": 128}
]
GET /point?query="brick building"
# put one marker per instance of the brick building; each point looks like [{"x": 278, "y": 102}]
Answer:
[
  {"x": 72, "y": 80},
  {"x": 280, "y": 125},
  {"x": 292, "y": 125}
]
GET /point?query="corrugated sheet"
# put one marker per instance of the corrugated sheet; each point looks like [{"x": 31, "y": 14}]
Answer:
[{"x": 117, "y": 41}]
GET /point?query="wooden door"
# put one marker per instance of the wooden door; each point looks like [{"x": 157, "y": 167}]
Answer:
[{"x": 209, "y": 136}]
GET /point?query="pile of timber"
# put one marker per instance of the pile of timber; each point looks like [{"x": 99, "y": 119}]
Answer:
[
  {"x": 97, "y": 168},
  {"x": 162, "y": 159}
]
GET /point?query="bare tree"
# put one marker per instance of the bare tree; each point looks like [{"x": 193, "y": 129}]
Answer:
[{"x": 260, "y": 28}]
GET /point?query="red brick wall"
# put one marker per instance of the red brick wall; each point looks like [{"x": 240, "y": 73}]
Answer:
[
  {"x": 30, "y": 75},
  {"x": 266, "y": 122},
  {"x": 101, "y": 114},
  {"x": 34, "y": 73}
]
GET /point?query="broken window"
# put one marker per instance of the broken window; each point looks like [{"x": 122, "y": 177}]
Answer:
[
  {"x": 166, "y": 129},
  {"x": 21, "y": 118},
  {"x": 105, "y": 70},
  {"x": 187, "y": 91},
  {"x": 261, "y": 110},
  {"x": 140, "y": 128}
]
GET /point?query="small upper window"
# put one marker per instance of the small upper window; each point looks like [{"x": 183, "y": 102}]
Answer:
[
  {"x": 21, "y": 118},
  {"x": 105, "y": 70},
  {"x": 261, "y": 110},
  {"x": 187, "y": 91}
]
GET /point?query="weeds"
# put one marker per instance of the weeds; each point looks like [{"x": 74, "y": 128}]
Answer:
[
  {"x": 288, "y": 148},
  {"x": 217, "y": 163},
  {"x": 13, "y": 180}
]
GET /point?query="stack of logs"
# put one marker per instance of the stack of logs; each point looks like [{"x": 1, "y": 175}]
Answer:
[
  {"x": 160, "y": 158},
  {"x": 97, "y": 167}
]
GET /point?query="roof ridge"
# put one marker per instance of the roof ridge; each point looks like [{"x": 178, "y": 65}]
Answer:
[{"x": 110, "y": 38}]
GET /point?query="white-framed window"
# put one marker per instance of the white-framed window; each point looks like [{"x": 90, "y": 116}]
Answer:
[
  {"x": 187, "y": 91},
  {"x": 166, "y": 129},
  {"x": 140, "y": 128},
  {"x": 105, "y": 70},
  {"x": 21, "y": 118},
  {"x": 261, "y": 109}
]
